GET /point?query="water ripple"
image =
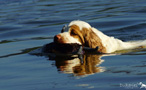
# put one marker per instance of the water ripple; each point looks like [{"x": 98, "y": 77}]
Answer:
[{"x": 26, "y": 25}]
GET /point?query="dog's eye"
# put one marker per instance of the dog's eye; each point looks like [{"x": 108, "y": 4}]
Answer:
[{"x": 72, "y": 32}]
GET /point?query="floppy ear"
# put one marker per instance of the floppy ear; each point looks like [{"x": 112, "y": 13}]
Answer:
[
  {"x": 92, "y": 40},
  {"x": 76, "y": 33}
]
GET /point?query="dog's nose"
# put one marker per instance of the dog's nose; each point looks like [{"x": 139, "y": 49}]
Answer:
[{"x": 57, "y": 38}]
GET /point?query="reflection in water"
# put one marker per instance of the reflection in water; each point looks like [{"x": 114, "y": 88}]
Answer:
[
  {"x": 87, "y": 64},
  {"x": 80, "y": 66}
]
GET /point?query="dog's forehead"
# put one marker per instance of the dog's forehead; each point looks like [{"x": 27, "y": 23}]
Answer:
[
  {"x": 81, "y": 24},
  {"x": 65, "y": 34}
]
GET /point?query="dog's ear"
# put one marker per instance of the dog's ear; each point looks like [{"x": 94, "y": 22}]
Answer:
[
  {"x": 92, "y": 40},
  {"x": 76, "y": 33}
]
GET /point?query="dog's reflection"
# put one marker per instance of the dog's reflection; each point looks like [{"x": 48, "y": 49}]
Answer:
[{"x": 80, "y": 66}]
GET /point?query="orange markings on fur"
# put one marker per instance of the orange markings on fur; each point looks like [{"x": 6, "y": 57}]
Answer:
[{"x": 87, "y": 37}]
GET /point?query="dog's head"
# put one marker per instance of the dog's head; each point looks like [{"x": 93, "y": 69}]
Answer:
[
  {"x": 80, "y": 32},
  {"x": 74, "y": 33}
]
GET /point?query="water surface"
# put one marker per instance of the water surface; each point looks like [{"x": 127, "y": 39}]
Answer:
[{"x": 28, "y": 24}]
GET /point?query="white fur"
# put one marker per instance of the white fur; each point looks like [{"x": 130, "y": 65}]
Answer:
[
  {"x": 113, "y": 44},
  {"x": 110, "y": 43},
  {"x": 81, "y": 24},
  {"x": 68, "y": 38}
]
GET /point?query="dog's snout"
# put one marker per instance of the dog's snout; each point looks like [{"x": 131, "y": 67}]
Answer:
[{"x": 57, "y": 38}]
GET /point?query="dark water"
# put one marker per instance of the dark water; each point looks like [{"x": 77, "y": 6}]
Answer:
[{"x": 29, "y": 24}]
